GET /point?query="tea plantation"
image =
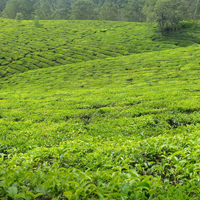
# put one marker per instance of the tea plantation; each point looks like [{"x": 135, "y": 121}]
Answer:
[
  {"x": 102, "y": 110},
  {"x": 24, "y": 47}
]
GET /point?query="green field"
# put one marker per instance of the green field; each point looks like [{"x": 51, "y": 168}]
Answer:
[
  {"x": 24, "y": 47},
  {"x": 99, "y": 110}
]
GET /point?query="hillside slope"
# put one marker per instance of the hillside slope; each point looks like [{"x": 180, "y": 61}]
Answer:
[
  {"x": 115, "y": 128},
  {"x": 24, "y": 47}
]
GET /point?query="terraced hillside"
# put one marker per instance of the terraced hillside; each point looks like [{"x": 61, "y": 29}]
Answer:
[
  {"x": 122, "y": 127},
  {"x": 24, "y": 47}
]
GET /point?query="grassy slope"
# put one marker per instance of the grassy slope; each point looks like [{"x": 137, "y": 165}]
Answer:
[
  {"x": 24, "y": 47},
  {"x": 114, "y": 128}
]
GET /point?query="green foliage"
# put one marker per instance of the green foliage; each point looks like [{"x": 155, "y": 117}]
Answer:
[
  {"x": 167, "y": 13},
  {"x": 12, "y": 192},
  {"x": 44, "y": 9},
  {"x": 133, "y": 11},
  {"x": 2, "y": 5},
  {"x": 19, "y": 17},
  {"x": 63, "y": 9},
  {"x": 121, "y": 10},
  {"x": 25, "y": 7},
  {"x": 109, "y": 11},
  {"x": 37, "y": 22},
  {"x": 57, "y": 43},
  {"x": 84, "y": 10},
  {"x": 111, "y": 127}
]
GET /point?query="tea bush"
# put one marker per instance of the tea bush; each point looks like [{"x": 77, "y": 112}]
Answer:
[
  {"x": 118, "y": 127},
  {"x": 82, "y": 41}
]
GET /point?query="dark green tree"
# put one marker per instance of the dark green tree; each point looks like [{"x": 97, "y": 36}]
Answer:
[
  {"x": 109, "y": 11},
  {"x": 196, "y": 9},
  {"x": 166, "y": 13},
  {"x": 84, "y": 10},
  {"x": 133, "y": 11},
  {"x": 11, "y": 9},
  {"x": 25, "y": 7},
  {"x": 45, "y": 9},
  {"x": 3, "y": 5},
  {"x": 63, "y": 9}
]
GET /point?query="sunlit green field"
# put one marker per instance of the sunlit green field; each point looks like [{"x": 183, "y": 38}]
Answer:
[
  {"x": 120, "y": 126},
  {"x": 24, "y": 47}
]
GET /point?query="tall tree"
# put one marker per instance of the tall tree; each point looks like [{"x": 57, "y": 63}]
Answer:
[
  {"x": 133, "y": 11},
  {"x": 11, "y": 9},
  {"x": 196, "y": 9},
  {"x": 25, "y": 7},
  {"x": 84, "y": 10},
  {"x": 63, "y": 9},
  {"x": 109, "y": 11},
  {"x": 45, "y": 9},
  {"x": 3, "y": 5},
  {"x": 167, "y": 13}
]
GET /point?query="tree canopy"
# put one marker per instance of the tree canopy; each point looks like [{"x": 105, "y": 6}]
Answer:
[{"x": 166, "y": 13}]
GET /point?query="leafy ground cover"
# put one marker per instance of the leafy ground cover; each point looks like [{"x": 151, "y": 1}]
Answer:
[
  {"x": 25, "y": 47},
  {"x": 124, "y": 127}
]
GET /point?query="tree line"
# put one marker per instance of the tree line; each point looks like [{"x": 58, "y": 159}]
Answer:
[{"x": 167, "y": 13}]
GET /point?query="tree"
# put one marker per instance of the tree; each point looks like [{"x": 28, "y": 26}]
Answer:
[
  {"x": 196, "y": 9},
  {"x": 11, "y": 9},
  {"x": 63, "y": 9},
  {"x": 133, "y": 11},
  {"x": 2, "y": 5},
  {"x": 84, "y": 10},
  {"x": 166, "y": 13},
  {"x": 19, "y": 17},
  {"x": 25, "y": 7},
  {"x": 109, "y": 11},
  {"x": 193, "y": 9},
  {"x": 45, "y": 9}
]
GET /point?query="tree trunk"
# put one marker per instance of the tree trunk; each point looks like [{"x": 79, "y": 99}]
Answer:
[{"x": 195, "y": 12}]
